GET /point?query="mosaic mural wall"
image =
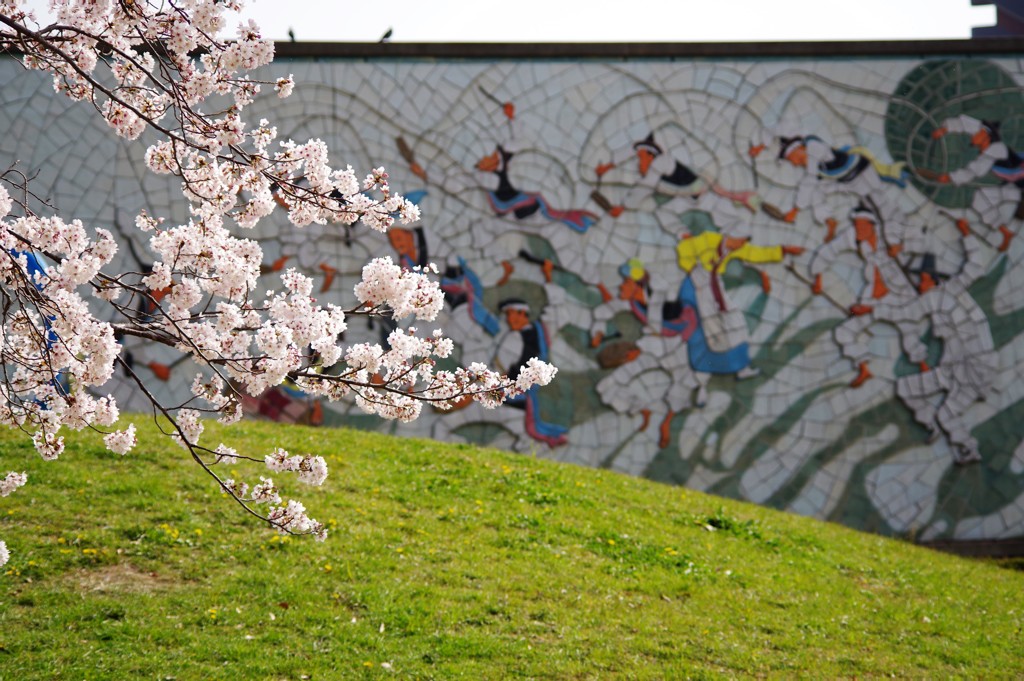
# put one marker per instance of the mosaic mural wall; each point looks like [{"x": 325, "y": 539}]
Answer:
[{"x": 795, "y": 282}]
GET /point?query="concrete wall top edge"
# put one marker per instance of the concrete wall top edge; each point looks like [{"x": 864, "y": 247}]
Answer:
[
  {"x": 527, "y": 51},
  {"x": 670, "y": 51}
]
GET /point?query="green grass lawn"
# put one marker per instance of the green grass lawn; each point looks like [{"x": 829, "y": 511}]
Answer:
[{"x": 448, "y": 562}]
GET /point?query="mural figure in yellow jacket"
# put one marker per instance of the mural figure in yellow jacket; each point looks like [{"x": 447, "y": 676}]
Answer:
[{"x": 714, "y": 329}]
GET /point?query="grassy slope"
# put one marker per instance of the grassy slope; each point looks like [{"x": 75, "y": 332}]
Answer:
[{"x": 451, "y": 562}]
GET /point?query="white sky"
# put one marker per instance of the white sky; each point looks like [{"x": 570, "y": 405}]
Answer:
[{"x": 605, "y": 21}]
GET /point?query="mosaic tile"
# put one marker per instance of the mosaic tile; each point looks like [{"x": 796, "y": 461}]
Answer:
[{"x": 862, "y": 358}]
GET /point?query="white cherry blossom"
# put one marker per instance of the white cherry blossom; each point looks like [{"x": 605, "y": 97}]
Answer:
[{"x": 66, "y": 312}]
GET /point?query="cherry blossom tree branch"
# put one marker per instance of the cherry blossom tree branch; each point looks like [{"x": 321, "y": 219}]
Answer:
[{"x": 66, "y": 301}]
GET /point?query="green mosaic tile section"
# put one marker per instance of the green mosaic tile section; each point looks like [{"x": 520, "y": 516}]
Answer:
[{"x": 941, "y": 89}]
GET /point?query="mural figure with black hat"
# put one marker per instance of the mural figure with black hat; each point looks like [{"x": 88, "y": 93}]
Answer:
[
  {"x": 652, "y": 373},
  {"x": 884, "y": 280},
  {"x": 995, "y": 158},
  {"x": 846, "y": 169},
  {"x": 940, "y": 396},
  {"x": 526, "y": 338},
  {"x": 508, "y": 200},
  {"x": 664, "y": 179}
]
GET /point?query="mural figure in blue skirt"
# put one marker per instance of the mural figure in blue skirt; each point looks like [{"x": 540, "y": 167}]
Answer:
[
  {"x": 718, "y": 339},
  {"x": 526, "y": 339}
]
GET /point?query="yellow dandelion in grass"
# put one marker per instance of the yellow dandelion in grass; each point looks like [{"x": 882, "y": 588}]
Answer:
[{"x": 328, "y": 568}]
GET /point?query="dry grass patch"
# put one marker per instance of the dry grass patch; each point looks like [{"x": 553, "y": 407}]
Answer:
[{"x": 120, "y": 578}]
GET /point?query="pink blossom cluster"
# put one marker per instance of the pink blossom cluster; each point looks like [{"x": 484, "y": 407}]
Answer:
[
  {"x": 292, "y": 518},
  {"x": 311, "y": 470},
  {"x": 12, "y": 482},
  {"x": 121, "y": 441},
  {"x": 52, "y": 346},
  {"x": 405, "y": 292},
  {"x": 534, "y": 372},
  {"x": 163, "y": 65}
]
